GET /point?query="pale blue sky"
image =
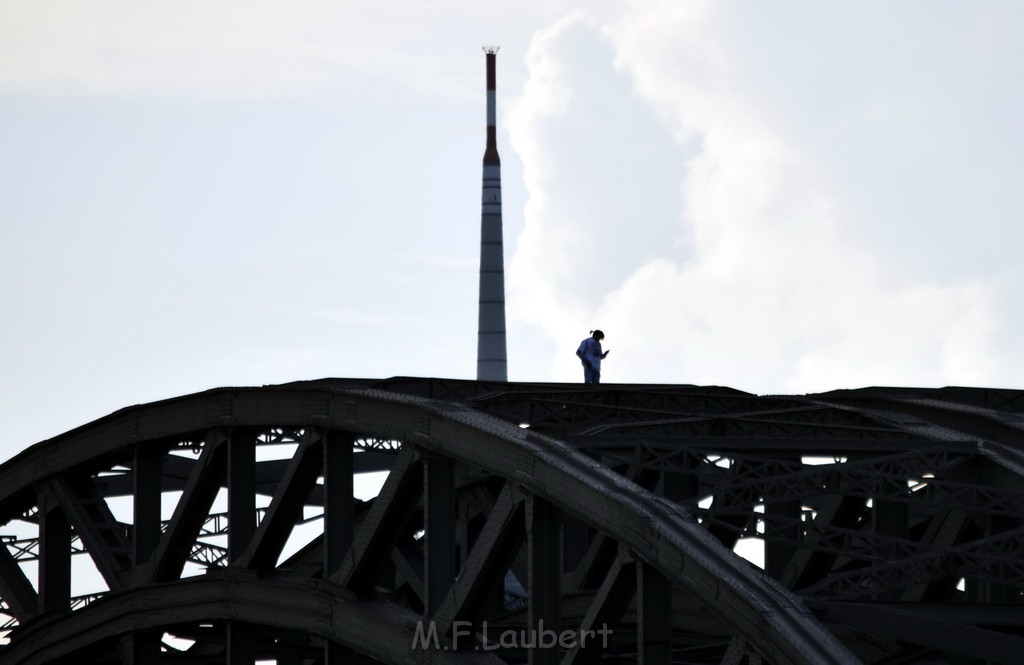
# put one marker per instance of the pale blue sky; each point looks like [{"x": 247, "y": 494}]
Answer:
[{"x": 785, "y": 197}]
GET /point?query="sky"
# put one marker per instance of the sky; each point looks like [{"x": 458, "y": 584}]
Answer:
[{"x": 783, "y": 198}]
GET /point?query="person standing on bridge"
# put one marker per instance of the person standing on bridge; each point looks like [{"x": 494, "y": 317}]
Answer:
[{"x": 591, "y": 355}]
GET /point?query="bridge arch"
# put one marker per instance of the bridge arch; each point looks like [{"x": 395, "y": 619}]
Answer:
[{"x": 471, "y": 505}]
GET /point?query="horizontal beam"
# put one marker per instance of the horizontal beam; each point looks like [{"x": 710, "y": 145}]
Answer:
[{"x": 775, "y": 444}]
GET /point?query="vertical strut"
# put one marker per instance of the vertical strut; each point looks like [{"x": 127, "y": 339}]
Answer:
[
  {"x": 782, "y": 535},
  {"x": 145, "y": 645},
  {"x": 146, "y": 479},
  {"x": 241, "y": 528},
  {"x": 54, "y": 558},
  {"x": 654, "y": 620},
  {"x": 544, "y": 579},
  {"x": 241, "y": 491},
  {"x": 339, "y": 521},
  {"x": 439, "y": 518},
  {"x": 892, "y": 520},
  {"x": 338, "y": 517},
  {"x": 782, "y": 528},
  {"x": 241, "y": 650}
]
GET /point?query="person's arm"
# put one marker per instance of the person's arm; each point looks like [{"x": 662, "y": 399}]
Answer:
[{"x": 582, "y": 353}]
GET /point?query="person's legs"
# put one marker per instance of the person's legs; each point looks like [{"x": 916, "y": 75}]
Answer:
[{"x": 590, "y": 375}]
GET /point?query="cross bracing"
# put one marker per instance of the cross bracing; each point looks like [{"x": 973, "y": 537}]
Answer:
[{"x": 875, "y": 526}]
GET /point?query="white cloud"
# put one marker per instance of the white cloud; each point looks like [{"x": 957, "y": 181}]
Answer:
[{"x": 816, "y": 245}]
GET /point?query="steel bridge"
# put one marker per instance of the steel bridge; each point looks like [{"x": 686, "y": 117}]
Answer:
[{"x": 539, "y": 523}]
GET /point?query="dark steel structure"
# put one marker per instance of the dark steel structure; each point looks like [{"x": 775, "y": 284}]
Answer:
[{"x": 539, "y": 523}]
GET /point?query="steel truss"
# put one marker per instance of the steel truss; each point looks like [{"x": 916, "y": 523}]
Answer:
[{"x": 591, "y": 523}]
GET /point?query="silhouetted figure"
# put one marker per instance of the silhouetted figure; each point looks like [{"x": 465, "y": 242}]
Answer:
[{"x": 591, "y": 355}]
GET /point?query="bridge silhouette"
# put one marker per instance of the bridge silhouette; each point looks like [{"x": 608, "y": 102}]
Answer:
[{"x": 521, "y": 522}]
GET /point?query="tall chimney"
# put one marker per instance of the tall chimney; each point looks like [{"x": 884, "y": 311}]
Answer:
[{"x": 491, "y": 362}]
